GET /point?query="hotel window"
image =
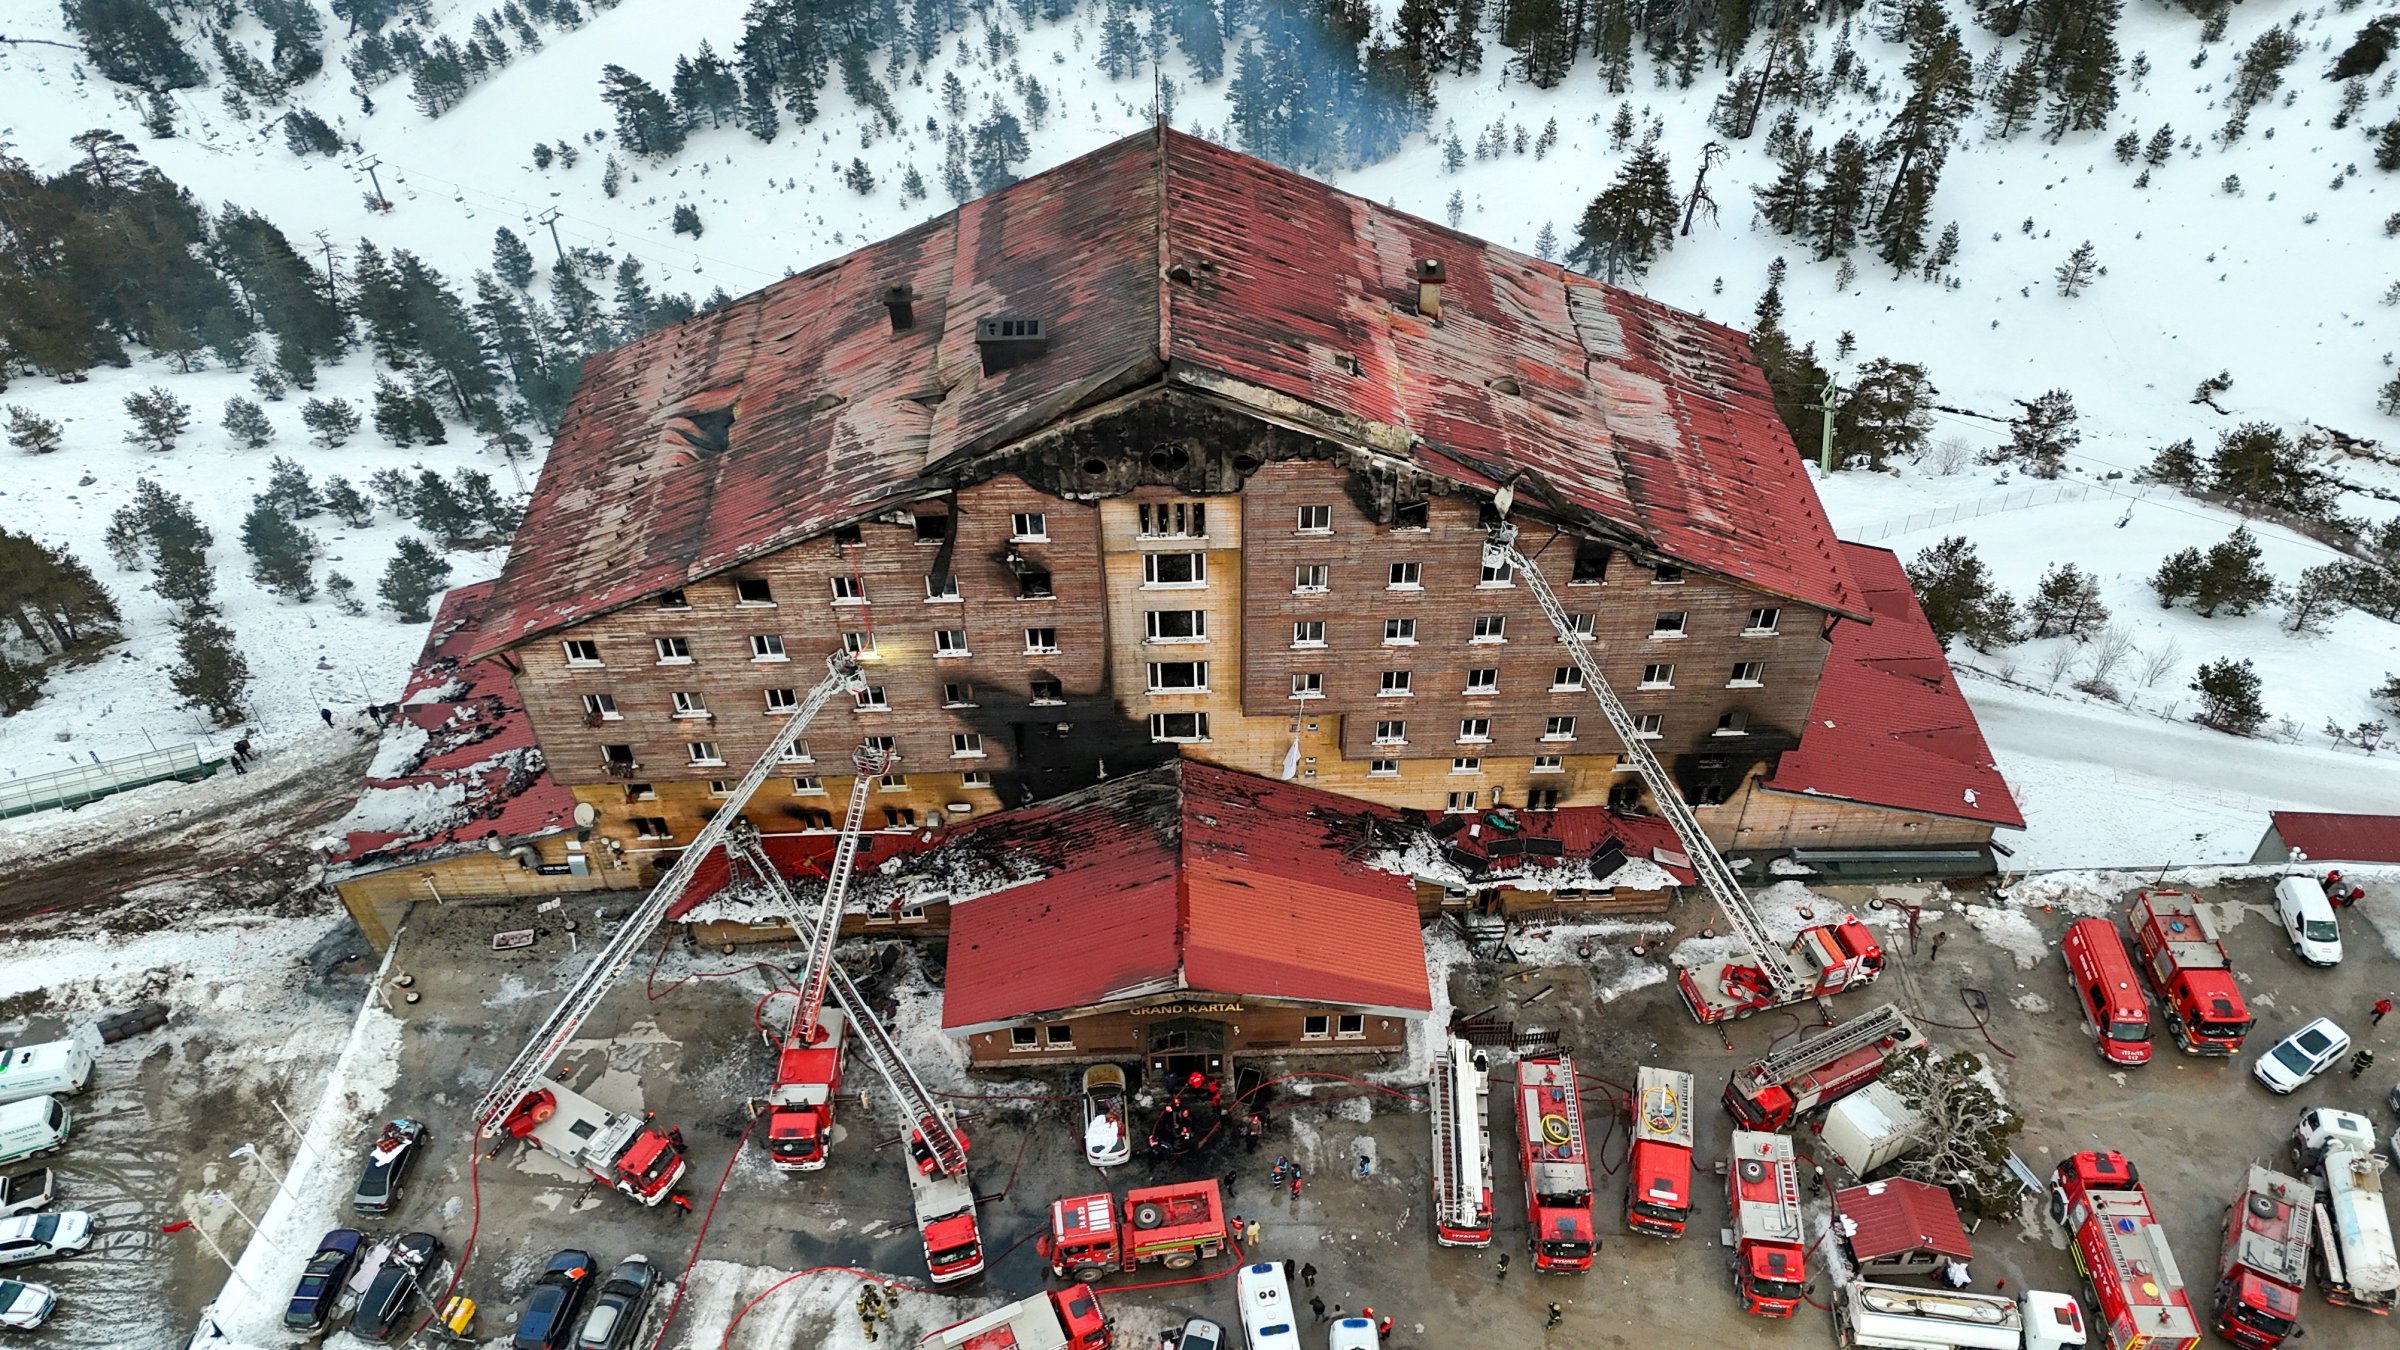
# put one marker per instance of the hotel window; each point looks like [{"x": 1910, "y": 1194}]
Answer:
[
  {"x": 581, "y": 651},
  {"x": 1465, "y": 764},
  {"x": 1581, "y": 626},
  {"x": 1060, "y": 1035},
  {"x": 673, "y": 600},
  {"x": 673, "y": 651},
  {"x": 869, "y": 698},
  {"x": 1309, "y": 578},
  {"x": 1549, "y": 764},
  {"x": 1734, "y": 723},
  {"x": 958, "y": 696},
  {"x": 1669, "y": 623},
  {"x": 860, "y": 645},
  {"x": 950, "y": 642},
  {"x": 1412, "y": 516},
  {"x": 1174, "y": 569},
  {"x": 704, "y": 752},
  {"x": 1625, "y": 799},
  {"x": 1541, "y": 799},
  {"x": 1650, "y": 726},
  {"x": 1658, "y": 675},
  {"x": 1178, "y": 677},
  {"x": 966, "y": 745},
  {"x": 1032, "y": 585},
  {"x": 1029, "y": 525},
  {"x": 1383, "y": 768},
  {"x": 1349, "y": 1026},
  {"x": 1396, "y": 685},
  {"x": 1483, "y": 681},
  {"x": 1490, "y": 628},
  {"x": 652, "y": 827},
  {"x": 1021, "y": 1038},
  {"x": 1171, "y": 520},
  {"x": 1747, "y": 675},
  {"x": 690, "y": 704},
  {"x": 797, "y": 753},
  {"x": 1762, "y": 622},
  {"x": 1558, "y": 729},
  {"x": 1391, "y": 733},
  {"x": 1179, "y": 726},
  {"x": 932, "y": 526},
  {"x": 1591, "y": 564},
  {"x": 767, "y": 647},
  {"x": 1041, "y": 641},
  {"x": 809, "y": 786},
  {"x": 899, "y": 818},
  {"x": 1566, "y": 677},
  {"x": 1666, "y": 574},
  {"x": 1308, "y": 685},
  {"x": 849, "y": 591},
  {"x": 1460, "y": 801},
  {"x": 1308, "y": 633},
  {"x": 1048, "y": 691},
  {"x": 601, "y": 708},
  {"x": 1315, "y": 1027},
  {"x": 976, "y": 779},
  {"x": 1500, "y": 573},
  {"x": 1475, "y": 729},
  {"x": 1175, "y": 625},
  {"x": 1315, "y": 520},
  {"x": 1407, "y": 576},
  {"x": 720, "y": 787},
  {"x": 940, "y": 588},
  {"x": 752, "y": 591},
  {"x": 1399, "y": 632}
]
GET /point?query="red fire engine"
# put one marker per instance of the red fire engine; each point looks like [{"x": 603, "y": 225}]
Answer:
[
  {"x": 1658, "y": 1170},
  {"x": 1460, "y": 1094},
  {"x": 1175, "y": 1225},
  {"x": 619, "y": 1149},
  {"x": 1064, "y": 1319},
  {"x": 2187, "y": 968},
  {"x": 1762, "y": 1194},
  {"x": 1823, "y": 960},
  {"x": 1767, "y": 1092},
  {"x": 2101, "y": 975},
  {"x": 1555, "y": 1153},
  {"x": 2136, "y": 1289},
  {"x": 2264, "y": 1265}
]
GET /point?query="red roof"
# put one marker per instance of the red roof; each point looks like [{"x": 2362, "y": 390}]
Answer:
[
  {"x": 477, "y": 774},
  {"x": 1184, "y": 877},
  {"x": 1898, "y": 1215},
  {"x": 1889, "y": 726},
  {"x": 1162, "y": 260},
  {"x": 2331, "y": 836}
]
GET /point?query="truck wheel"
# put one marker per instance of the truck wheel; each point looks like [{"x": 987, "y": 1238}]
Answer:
[
  {"x": 1148, "y": 1216},
  {"x": 1090, "y": 1274},
  {"x": 1179, "y": 1260}
]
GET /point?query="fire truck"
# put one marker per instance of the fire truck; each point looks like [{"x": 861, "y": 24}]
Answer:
[
  {"x": 2354, "y": 1231},
  {"x": 2136, "y": 1290},
  {"x": 1064, "y": 1319},
  {"x": 2263, "y": 1266},
  {"x": 1762, "y": 1195},
  {"x": 1556, "y": 1155},
  {"x": 1768, "y": 1092},
  {"x": 1658, "y": 1168},
  {"x": 2187, "y": 968},
  {"x": 1460, "y": 1095},
  {"x": 1825, "y": 959},
  {"x": 621, "y": 1149},
  {"x": 1177, "y": 1226}
]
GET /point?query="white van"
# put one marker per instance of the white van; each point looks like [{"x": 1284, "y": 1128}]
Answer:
[
  {"x": 1268, "y": 1321},
  {"x": 31, "y": 1128},
  {"x": 2308, "y": 921},
  {"x": 53, "y": 1068}
]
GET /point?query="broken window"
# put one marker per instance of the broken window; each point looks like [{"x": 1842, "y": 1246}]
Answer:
[
  {"x": 847, "y": 536},
  {"x": 1049, "y": 691},
  {"x": 1541, "y": 799},
  {"x": 752, "y": 591},
  {"x": 581, "y": 652},
  {"x": 1412, "y": 516},
  {"x": 1460, "y": 801},
  {"x": 958, "y": 696},
  {"x": 652, "y": 827},
  {"x": 601, "y": 708},
  {"x": 932, "y": 526},
  {"x": 1666, "y": 574},
  {"x": 1625, "y": 798},
  {"x": 1188, "y": 726},
  {"x": 673, "y": 600},
  {"x": 899, "y": 818},
  {"x": 860, "y": 645},
  {"x": 1167, "y": 520},
  {"x": 1733, "y": 723},
  {"x": 690, "y": 703},
  {"x": 1034, "y": 586},
  {"x": 939, "y": 587},
  {"x": 869, "y": 698}
]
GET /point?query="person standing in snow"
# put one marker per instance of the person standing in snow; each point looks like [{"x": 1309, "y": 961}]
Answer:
[
  {"x": 2383, "y": 1006},
  {"x": 327, "y": 714}
]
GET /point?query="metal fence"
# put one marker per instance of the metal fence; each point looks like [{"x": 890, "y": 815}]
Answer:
[
  {"x": 2047, "y": 494},
  {"x": 89, "y": 782}
]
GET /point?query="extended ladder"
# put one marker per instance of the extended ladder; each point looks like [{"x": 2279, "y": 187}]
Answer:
[
  {"x": 585, "y": 994},
  {"x": 1715, "y": 876},
  {"x": 871, "y": 764},
  {"x": 1782, "y": 1066},
  {"x": 921, "y": 1116}
]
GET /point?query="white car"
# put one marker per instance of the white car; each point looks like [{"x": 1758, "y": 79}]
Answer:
[
  {"x": 2308, "y": 921},
  {"x": 1351, "y": 1333},
  {"x": 2301, "y": 1056},
  {"x": 38, "y": 1237},
  {"x": 25, "y": 1306},
  {"x": 1106, "y": 1140}
]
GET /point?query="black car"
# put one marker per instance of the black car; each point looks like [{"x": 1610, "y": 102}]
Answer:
[
  {"x": 550, "y": 1313},
  {"x": 321, "y": 1281},
  {"x": 390, "y": 1301},
  {"x": 616, "y": 1315},
  {"x": 387, "y": 1166}
]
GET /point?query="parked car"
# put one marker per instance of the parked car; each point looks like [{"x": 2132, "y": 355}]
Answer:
[
  {"x": 556, "y": 1296},
  {"x": 387, "y": 1167},
  {"x": 2301, "y": 1056},
  {"x": 389, "y": 1304},
  {"x": 39, "y": 1237},
  {"x": 322, "y": 1278},
  {"x": 616, "y": 1315},
  {"x": 1201, "y": 1334},
  {"x": 27, "y": 1191},
  {"x": 2308, "y": 921},
  {"x": 25, "y": 1306},
  {"x": 1351, "y": 1333},
  {"x": 1106, "y": 1141}
]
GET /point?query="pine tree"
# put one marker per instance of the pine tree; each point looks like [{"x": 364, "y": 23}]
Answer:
[
  {"x": 999, "y": 146},
  {"x": 440, "y": 512},
  {"x": 345, "y": 594},
  {"x": 31, "y": 432},
  {"x": 2160, "y": 147},
  {"x": 2232, "y": 577},
  {"x": 1547, "y": 141},
  {"x": 305, "y": 133},
  {"x": 52, "y": 598},
  {"x": 2043, "y": 433},
  {"x": 346, "y": 504},
  {"x": 2075, "y": 275},
  {"x": 1543, "y": 36},
  {"x": 1120, "y": 42},
  {"x": 646, "y": 121},
  {"x": 158, "y": 418},
  {"x": 247, "y": 423},
  {"x": 612, "y": 176},
  {"x": 511, "y": 260},
  {"x": 2066, "y": 604},
  {"x": 2128, "y": 147},
  {"x": 1840, "y": 198},
  {"x": 912, "y": 184},
  {"x": 1956, "y": 592},
  {"x": 395, "y": 413},
  {"x": 396, "y": 490},
  {"x": 333, "y": 420},
  {"x": 282, "y": 555},
  {"x": 1886, "y": 413},
  {"x": 1612, "y": 43},
  {"x": 293, "y": 365},
  {"x": 1545, "y": 244},
  {"x": 127, "y": 41},
  {"x": 20, "y": 686},
  {"x": 182, "y": 573},
  {"x": 1788, "y": 203},
  {"x": 267, "y": 384},
  {"x": 2321, "y": 593},
  {"x": 212, "y": 676},
  {"x": 2229, "y": 696},
  {"x": 415, "y": 576},
  {"x": 2176, "y": 465},
  {"x": 1631, "y": 221},
  {"x": 2082, "y": 66},
  {"x": 2178, "y": 577},
  {"x": 1945, "y": 252},
  {"x": 859, "y": 178},
  {"x": 2017, "y": 97},
  {"x": 289, "y": 491}
]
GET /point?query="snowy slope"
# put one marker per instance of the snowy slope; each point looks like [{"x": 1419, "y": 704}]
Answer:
[{"x": 2198, "y": 280}]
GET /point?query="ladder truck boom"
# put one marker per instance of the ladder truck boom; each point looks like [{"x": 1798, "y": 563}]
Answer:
[
  {"x": 1836, "y": 956},
  {"x": 550, "y": 1039},
  {"x": 870, "y": 764}
]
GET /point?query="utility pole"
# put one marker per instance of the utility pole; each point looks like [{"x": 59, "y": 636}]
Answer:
[
  {"x": 1825, "y": 404},
  {"x": 333, "y": 285},
  {"x": 371, "y": 163},
  {"x": 549, "y": 217}
]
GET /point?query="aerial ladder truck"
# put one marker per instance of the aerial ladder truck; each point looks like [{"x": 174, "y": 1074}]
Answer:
[
  {"x": 1460, "y": 1098},
  {"x": 624, "y": 1150},
  {"x": 1825, "y": 959}
]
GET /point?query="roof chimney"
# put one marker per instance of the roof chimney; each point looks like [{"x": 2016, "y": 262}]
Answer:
[
  {"x": 1430, "y": 275},
  {"x": 1009, "y": 342},
  {"x": 901, "y": 301}
]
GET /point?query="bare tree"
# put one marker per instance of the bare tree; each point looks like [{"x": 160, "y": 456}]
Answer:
[
  {"x": 2109, "y": 650},
  {"x": 2056, "y": 665},
  {"x": 2160, "y": 662},
  {"x": 1963, "y": 1129},
  {"x": 1948, "y": 455}
]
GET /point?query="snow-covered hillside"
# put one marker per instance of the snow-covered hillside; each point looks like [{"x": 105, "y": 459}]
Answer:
[{"x": 2279, "y": 284}]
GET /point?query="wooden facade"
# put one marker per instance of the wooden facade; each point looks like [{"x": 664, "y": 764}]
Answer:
[{"x": 1189, "y": 1030}]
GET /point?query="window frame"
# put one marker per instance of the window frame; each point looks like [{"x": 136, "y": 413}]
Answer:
[
  {"x": 1350, "y": 1026},
  {"x": 1558, "y": 728},
  {"x": 1398, "y": 684},
  {"x": 1732, "y": 722},
  {"x": 1650, "y": 726},
  {"x": 1496, "y": 576},
  {"x": 1680, "y": 625},
  {"x": 1466, "y": 764},
  {"x": 1397, "y": 735},
  {"x": 1198, "y": 670},
  {"x": 1316, "y": 1026},
  {"x": 672, "y": 651},
  {"x": 1549, "y": 764},
  {"x": 601, "y": 707},
  {"x": 1312, "y": 578},
  {"x": 870, "y": 698},
  {"x": 587, "y": 658},
  {"x": 1313, "y": 520},
  {"x": 1474, "y": 731},
  {"x": 1756, "y": 679},
  {"x": 1773, "y": 619},
  {"x": 848, "y": 590},
  {"x": 1566, "y": 679},
  {"x": 695, "y": 749},
  {"x": 1160, "y": 722},
  {"x": 1657, "y": 675},
  {"x": 1399, "y": 632},
  {"x": 1405, "y": 576},
  {"x": 967, "y": 745},
  {"x": 1196, "y": 581},
  {"x": 1152, "y": 628},
  {"x": 950, "y": 643},
  {"x": 690, "y": 704},
  {"x": 1482, "y": 681},
  {"x": 767, "y": 648},
  {"x": 788, "y": 704},
  {"x": 1383, "y": 768},
  {"x": 1490, "y": 630},
  {"x": 1029, "y": 527},
  {"x": 1301, "y": 630},
  {"x": 1042, "y": 641},
  {"x": 946, "y": 596},
  {"x": 742, "y": 598},
  {"x": 1308, "y": 684}
]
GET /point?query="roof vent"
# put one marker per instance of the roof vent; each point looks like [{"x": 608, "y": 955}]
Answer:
[
  {"x": 1009, "y": 342},
  {"x": 901, "y": 301},
  {"x": 1430, "y": 276}
]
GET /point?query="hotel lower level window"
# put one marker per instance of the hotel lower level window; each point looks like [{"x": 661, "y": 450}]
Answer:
[
  {"x": 1350, "y": 1026},
  {"x": 1059, "y": 1034},
  {"x": 1179, "y": 726},
  {"x": 1022, "y": 1038},
  {"x": 1315, "y": 1027}
]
